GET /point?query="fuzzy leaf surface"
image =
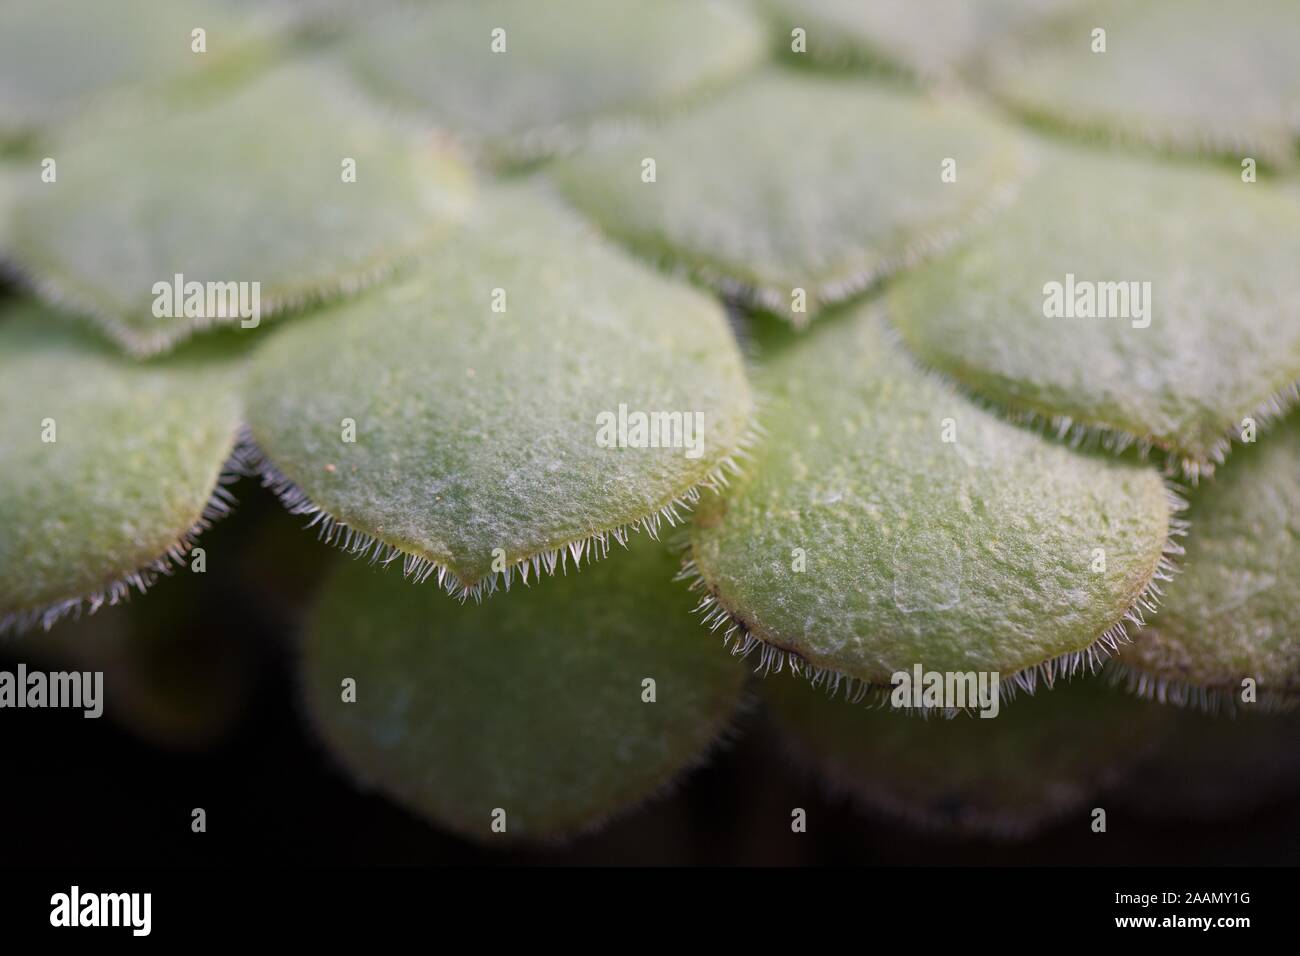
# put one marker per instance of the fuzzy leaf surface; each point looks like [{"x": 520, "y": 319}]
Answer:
[
  {"x": 970, "y": 554},
  {"x": 531, "y": 704},
  {"x": 1222, "y": 342},
  {"x": 793, "y": 181},
  {"x": 1234, "y": 611},
  {"x": 930, "y": 40},
  {"x": 55, "y": 54},
  {"x": 136, "y": 455},
  {"x": 1195, "y": 76},
  {"x": 476, "y": 429},
  {"x": 565, "y": 64},
  {"x": 246, "y": 188}
]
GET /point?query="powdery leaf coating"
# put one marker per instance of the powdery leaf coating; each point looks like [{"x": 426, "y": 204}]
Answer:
[
  {"x": 56, "y": 54},
  {"x": 1195, "y": 76},
  {"x": 1234, "y": 612},
  {"x": 1043, "y": 757},
  {"x": 477, "y": 429},
  {"x": 972, "y": 554},
  {"x": 1223, "y": 341},
  {"x": 931, "y": 40},
  {"x": 795, "y": 181},
  {"x": 566, "y": 63},
  {"x": 247, "y": 188},
  {"x": 131, "y": 472},
  {"x": 532, "y": 705}
]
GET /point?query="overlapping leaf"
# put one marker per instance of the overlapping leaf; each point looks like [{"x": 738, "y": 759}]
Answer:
[
  {"x": 887, "y": 522},
  {"x": 106, "y": 467},
  {"x": 1149, "y": 302},
  {"x": 249, "y": 188},
  {"x": 536, "y": 706},
  {"x": 930, "y": 40},
  {"x": 1196, "y": 76},
  {"x": 175, "y": 670},
  {"x": 529, "y": 78},
  {"x": 796, "y": 182},
  {"x": 477, "y": 387},
  {"x": 1234, "y": 612},
  {"x": 55, "y": 54},
  {"x": 1041, "y": 758}
]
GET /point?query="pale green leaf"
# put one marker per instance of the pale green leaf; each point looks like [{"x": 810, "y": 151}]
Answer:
[
  {"x": 931, "y": 39},
  {"x": 9, "y": 186},
  {"x": 863, "y": 542},
  {"x": 477, "y": 430},
  {"x": 1222, "y": 340},
  {"x": 107, "y": 467},
  {"x": 1043, "y": 757},
  {"x": 793, "y": 181},
  {"x": 534, "y": 705},
  {"x": 565, "y": 63},
  {"x": 55, "y": 55},
  {"x": 247, "y": 188},
  {"x": 1234, "y": 612},
  {"x": 1196, "y": 76}
]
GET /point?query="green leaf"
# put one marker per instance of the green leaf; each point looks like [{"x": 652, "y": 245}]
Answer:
[
  {"x": 565, "y": 64},
  {"x": 56, "y": 54},
  {"x": 9, "y": 186},
  {"x": 1196, "y": 76},
  {"x": 107, "y": 467},
  {"x": 1043, "y": 757},
  {"x": 864, "y": 543},
  {"x": 476, "y": 431},
  {"x": 249, "y": 188},
  {"x": 533, "y": 705},
  {"x": 1234, "y": 611},
  {"x": 930, "y": 40},
  {"x": 176, "y": 672},
  {"x": 1222, "y": 340},
  {"x": 794, "y": 181}
]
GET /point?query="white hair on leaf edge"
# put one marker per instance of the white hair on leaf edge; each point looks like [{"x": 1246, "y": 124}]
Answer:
[
  {"x": 1175, "y": 692},
  {"x": 220, "y": 504},
  {"x": 1088, "y": 436},
  {"x": 420, "y": 568},
  {"x": 1086, "y": 661}
]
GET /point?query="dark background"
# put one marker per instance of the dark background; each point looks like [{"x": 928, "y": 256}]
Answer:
[{"x": 79, "y": 791}]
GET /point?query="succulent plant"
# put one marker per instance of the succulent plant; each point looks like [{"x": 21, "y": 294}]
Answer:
[{"x": 958, "y": 336}]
